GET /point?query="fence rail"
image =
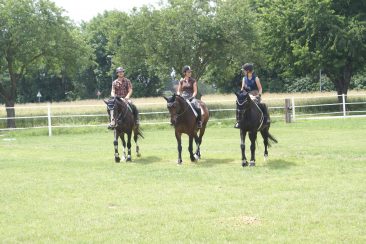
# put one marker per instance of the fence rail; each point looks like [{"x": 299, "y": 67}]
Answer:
[{"x": 291, "y": 111}]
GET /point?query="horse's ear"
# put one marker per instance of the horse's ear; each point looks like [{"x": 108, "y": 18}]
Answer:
[
  {"x": 165, "y": 98},
  {"x": 237, "y": 93},
  {"x": 105, "y": 101}
]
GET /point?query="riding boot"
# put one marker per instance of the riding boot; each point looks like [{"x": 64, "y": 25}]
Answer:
[
  {"x": 136, "y": 115},
  {"x": 266, "y": 120},
  {"x": 199, "y": 118},
  {"x": 236, "y": 126}
]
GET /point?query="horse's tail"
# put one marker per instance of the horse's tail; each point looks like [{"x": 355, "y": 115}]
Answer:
[
  {"x": 139, "y": 132},
  {"x": 271, "y": 139}
]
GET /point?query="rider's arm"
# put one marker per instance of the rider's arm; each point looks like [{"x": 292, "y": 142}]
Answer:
[
  {"x": 179, "y": 88},
  {"x": 243, "y": 84},
  {"x": 194, "y": 89},
  {"x": 259, "y": 85},
  {"x": 130, "y": 90},
  {"x": 113, "y": 93}
]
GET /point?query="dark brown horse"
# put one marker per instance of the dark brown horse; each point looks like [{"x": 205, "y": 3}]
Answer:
[
  {"x": 251, "y": 121},
  {"x": 122, "y": 122},
  {"x": 184, "y": 121}
]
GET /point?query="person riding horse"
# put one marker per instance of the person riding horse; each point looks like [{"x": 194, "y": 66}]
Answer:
[
  {"x": 252, "y": 84},
  {"x": 122, "y": 88},
  {"x": 187, "y": 88}
]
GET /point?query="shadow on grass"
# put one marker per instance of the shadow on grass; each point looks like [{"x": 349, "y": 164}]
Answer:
[
  {"x": 210, "y": 162},
  {"x": 146, "y": 160},
  {"x": 278, "y": 164}
]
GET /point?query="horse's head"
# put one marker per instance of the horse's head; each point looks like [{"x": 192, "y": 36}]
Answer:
[
  {"x": 113, "y": 109},
  {"x": 242, "y": 99},
  {"x": 174, "y": 105}
]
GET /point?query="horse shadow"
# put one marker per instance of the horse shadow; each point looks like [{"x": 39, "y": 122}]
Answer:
[
  {"x": 278, "y": 164},
  {"x": 211, "y": 162},
  {"x": 146, "y": 160}
]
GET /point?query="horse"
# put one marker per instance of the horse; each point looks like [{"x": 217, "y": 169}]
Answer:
[
  {"x": 183, "y": 119},
  {"x": 122, "y": 122},
  {"x": 251, "y": 121}
]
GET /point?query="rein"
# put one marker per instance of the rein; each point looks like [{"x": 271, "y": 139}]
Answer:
[{"x": 242, "y": 111}]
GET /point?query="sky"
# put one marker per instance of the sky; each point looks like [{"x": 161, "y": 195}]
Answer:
[{"x": 85, "y": 10}]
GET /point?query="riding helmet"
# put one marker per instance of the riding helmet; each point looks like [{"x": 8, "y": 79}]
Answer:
[
  {"x": 248, "y": 67},
  {"x": 120, "y": 69},
  {"x": 186, "y": 68}
]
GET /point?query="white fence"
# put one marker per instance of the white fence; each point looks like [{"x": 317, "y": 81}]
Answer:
[{"x": 276, "y": 107}]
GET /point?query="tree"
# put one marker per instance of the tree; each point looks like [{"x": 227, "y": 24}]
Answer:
[
  {"x": 34, "y": 32},
  {"x": 301, "y": 37}
]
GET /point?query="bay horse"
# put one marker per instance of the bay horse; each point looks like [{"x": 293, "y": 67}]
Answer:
[
  {"x": 183, "y": 119},
  {"x": 122, "y": 122},
  {"x": 251, "y": 121}
]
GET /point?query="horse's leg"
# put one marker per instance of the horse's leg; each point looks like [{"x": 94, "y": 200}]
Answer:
[
  {"x": 190, "y": 148},
  {"x": 264, "y": 134},
  {"x": 243, "y": 134},
  {"x": 124, "y": 146},
  {"x": 129, "y": 135},
  {"x": 117, "y": 159},
  {"x": 135, "y": 138},
  {"x": 179, "y": 142},
  {"x": 252, "y": 137},
  {"x": 197, "y": 155}
]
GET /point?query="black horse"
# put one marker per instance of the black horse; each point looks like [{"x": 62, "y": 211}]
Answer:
[
  {"x": 251, "y": 120},
  {"x": 122, "y": 121},
  {"x": 183, "y": 119}
]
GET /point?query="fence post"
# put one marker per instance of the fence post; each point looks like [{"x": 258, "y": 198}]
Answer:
[
  {"x": 344, "y": 104},
  {"x": 287, "y": 110},
  {"x": 293, "y": 108},
  {"x": 49, "y": 119}
]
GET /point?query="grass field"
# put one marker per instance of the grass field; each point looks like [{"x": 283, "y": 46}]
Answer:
[{"x": 67, "y": 188}]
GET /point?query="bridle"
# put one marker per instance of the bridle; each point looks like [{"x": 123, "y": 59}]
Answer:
[
  {"x": 119, "y": 116},
  {"x": 177, "y": 115}
]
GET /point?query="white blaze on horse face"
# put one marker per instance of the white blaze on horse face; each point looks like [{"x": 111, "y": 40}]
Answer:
[{"x": 113, "y": 122}]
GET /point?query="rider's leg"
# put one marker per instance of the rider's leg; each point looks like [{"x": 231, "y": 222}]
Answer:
[
  {"x": 199, "y": 113},
  {"x": 135, "y": 113}
]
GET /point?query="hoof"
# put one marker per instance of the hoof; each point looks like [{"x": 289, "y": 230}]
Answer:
[
  {"x": 265, "y": 157},
  {"x": 244, "y": 163},
  {"x": 180, "y": 161},
  {"x": 138, "y": 155},
  {"x": 252, "y": 164},
  {"x": 117, "y": 160},
  {"x": 128, "y": 159},
  {"x": 197, "y": 157},
  {"x": 123, "y": 158}
]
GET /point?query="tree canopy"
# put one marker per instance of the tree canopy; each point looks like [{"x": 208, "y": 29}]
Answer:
[{"x": 41, "y": 49}]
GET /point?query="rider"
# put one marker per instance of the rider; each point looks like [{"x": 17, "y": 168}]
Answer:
[
  {"x": 252, "y": 84},
  {"x": 122, "y": 88},
  {"x": 187, "y": 87}
]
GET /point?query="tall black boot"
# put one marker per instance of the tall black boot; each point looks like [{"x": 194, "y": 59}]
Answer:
[
  {"x": 135, "y": 113},
  {"x": 199, "y": 118},
  {"x": 264, "y": 109}
]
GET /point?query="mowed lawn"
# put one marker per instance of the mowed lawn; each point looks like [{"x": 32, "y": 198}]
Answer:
[{"x": 67, "y": 188}]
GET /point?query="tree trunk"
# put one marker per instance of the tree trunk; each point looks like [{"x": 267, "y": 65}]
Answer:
[
  {"x": 10, "y": 112},
  {"x": 342, "y": 84}
]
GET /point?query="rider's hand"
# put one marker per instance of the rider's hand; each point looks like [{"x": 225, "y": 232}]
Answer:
[{"x": 190, "y": 99}]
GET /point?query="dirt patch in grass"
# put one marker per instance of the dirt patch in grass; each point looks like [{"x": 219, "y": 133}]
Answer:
[{"x": 241, "y": 220}]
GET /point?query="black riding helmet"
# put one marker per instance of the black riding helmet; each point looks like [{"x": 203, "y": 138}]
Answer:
[
  {"x": 186, "y": 68},
  {"x": 248, "y": 67}
]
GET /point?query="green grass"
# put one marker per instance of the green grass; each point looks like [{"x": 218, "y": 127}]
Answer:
[{"x": 68, "y": 189}]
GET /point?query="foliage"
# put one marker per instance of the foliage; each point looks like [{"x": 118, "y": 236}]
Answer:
[{"x": 301, "y": 37}]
